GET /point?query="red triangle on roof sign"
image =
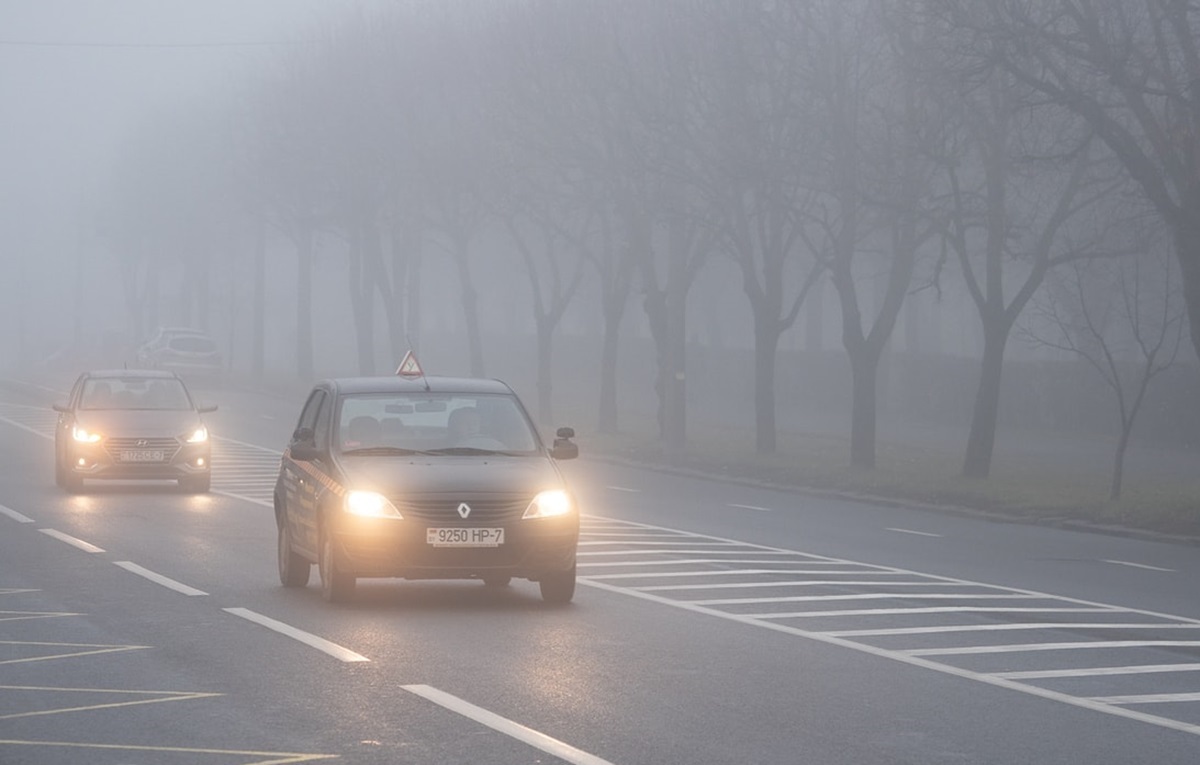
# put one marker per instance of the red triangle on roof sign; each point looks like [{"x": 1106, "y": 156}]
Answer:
[{"x": 409, "y": 366}]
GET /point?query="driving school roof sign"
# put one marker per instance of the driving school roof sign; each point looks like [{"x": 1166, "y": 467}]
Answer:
[{"x": 409, "y": 367}]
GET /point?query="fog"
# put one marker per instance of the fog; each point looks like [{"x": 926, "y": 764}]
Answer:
[{"x": 822, "y": 216}]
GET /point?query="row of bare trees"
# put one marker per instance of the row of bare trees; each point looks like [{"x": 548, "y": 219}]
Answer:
[{"x": 982, "y": 145}]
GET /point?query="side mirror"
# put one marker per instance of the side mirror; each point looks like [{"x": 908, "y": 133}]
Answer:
[
  {"x": 304, "y": 452},
  {"x": 59, "y": 406},
  {"x": 303, "y": 435},
  {"x": 206, "y": 408},
  {"x": 564, "y": 448}
]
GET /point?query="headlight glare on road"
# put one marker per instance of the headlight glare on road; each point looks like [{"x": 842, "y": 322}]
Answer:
[
  {"x": 84, "y": 435},
  {"x": 198, "y": 436},
  {"x": 370, "y": 504},
  {"x": 549, "y": 504}
]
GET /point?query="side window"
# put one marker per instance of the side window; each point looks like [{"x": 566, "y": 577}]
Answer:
[
  {"x": 76, "y": 393},
  {"x": 308, "y": 416},
  {"x": 321, "y": 428}
]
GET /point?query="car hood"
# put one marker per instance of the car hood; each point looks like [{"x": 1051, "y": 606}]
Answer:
[
  {"x": 142, "y": 422},
  {"x": 460, "y": 475}
]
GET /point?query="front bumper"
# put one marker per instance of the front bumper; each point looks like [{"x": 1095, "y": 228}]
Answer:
[
  {"x": 97, "y": 461},
  {"x": 391, "y": 547}
]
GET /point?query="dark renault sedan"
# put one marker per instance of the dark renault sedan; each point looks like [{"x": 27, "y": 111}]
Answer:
[
  {"x": 429, "y": 478},
  {"x": 131, "y": 424}
]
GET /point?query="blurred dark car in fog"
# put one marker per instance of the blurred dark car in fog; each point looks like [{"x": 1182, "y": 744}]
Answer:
[
  {"x": 131, "y": 424},
  {"x": 190, "y": 353}
]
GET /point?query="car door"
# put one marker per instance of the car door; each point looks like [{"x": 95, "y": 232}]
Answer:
[{"x": 300, "y": 481}]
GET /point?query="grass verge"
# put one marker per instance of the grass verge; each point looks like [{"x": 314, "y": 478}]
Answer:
[{"x": 1030, "y": 492}]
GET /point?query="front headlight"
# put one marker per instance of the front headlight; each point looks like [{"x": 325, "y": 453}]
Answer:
[
  {"x": 370, "y": 504},
  {"x": 198, "y": 436},
  {"x": 84, "y": 436},
  {"x": 548, "y": 504}
]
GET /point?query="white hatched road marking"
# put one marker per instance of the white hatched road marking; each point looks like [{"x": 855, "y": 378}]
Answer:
[{"x": 639, "y": 564}]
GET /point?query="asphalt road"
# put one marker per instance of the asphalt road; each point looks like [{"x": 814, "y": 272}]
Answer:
[{"x": 714, "y": 623}]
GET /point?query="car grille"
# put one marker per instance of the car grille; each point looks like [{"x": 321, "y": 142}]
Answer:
[
  {"x": 114, "y": 446},
  {"x": 444, "y": 509}
]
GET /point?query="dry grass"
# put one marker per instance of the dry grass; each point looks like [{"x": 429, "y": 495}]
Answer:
[{"x": 1033, "y": 491}]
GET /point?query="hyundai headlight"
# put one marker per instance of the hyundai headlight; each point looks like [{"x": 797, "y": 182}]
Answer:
[
  {"x": 370, "y": 504},
  {"x": 549, "y": 504},
  {"x": 198, "y": 436},
  {"x": 84, "y": 435}
]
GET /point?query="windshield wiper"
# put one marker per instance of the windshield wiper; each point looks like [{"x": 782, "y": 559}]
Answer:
[
  {"x": 382, "y": 450},
  {"x": 459, "y": 450}
]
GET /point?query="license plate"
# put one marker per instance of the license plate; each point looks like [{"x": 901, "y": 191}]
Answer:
[
  {"x": 465, "y": 537},
  {"x": 141, "y": 455}
]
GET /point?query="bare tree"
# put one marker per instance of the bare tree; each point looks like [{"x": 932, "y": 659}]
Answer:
[
  {"x": 1125, "y": 318},
  {"x": 1130, "y": 69}
]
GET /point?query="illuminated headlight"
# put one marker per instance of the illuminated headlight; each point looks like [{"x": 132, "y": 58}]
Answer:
[
  {"x": 84, "y": 436},
  {"x": 548, "y": 504},
  {"x": 198, "y": 436},
  {"x": 370, "y": 504}
]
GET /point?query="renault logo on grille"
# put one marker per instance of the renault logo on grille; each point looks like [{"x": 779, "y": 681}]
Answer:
[
  {"x": 142, "y": 442},
  {"x": 463, "y": 509}
]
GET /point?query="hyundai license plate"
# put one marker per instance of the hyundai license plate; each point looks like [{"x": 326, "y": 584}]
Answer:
[
  {"x": 465, "y": 537},
  {"x": 141, "y": 455}
]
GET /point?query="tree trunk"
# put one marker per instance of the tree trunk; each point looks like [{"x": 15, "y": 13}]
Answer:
[
  {"x": 766, "y": 350},
  {"x": 1119, "y": 460},
  {"x": 304, "y": 285},
  {"x": 863, "y": 367},
  {"x": 362, "y": 303},
  {"x": 258, "y": 342},
  {"x": 545, "y": 345},
  {"x": 608, "y": 364},
  {"x": 982, "y": 440},
  {"x": 470, "y": 304},
  {"x": 1187, "y": 252}
]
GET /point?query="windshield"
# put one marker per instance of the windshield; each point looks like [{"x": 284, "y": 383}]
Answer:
[
  {"x": 134, "y": 393},
  {"x": 426, "y": 423}
]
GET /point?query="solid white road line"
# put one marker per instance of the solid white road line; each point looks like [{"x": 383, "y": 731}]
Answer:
[
  {"x": 976, "y": 649},
  {"x": 134, "y": 568},
  {"x": 551, "y": 746},
  {"x": 622, "y": 488},
  {"x": 1154, "y": 698},
  {"x": 309, "y": 639},
  {"x": 908, "y": 611},
  {"x": 752, "y": 507},
  {"x": 917, "y": 533},
  {"x": 1003, "y": 627},
  {"x": 1140, "y": 565},
  {"x": 85, "y": 546},
  {"x": 243, "y": 498},
  {"x": 1140, "y": 669},
  {"x": 855, "y": 596},
  {"x": 15, "y": 515}
]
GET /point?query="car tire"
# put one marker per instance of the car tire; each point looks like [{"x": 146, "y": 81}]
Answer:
[
  {"x": 294, "y": 569},
  {"x": 196, "y": 484},
  {"x": 559, "y": 587},
  {"x": 336, "y": 586},
  {"x": 496, "y": 580}
]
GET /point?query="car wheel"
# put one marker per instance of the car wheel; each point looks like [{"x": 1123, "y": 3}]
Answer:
[
  {"x": 558, "y": 588},
  {"x": 496, "y": 580},
  {"x": 336, "y": 586},
  {"x": 294, "y": 570},
  {"x": 196, "y": 484}
]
